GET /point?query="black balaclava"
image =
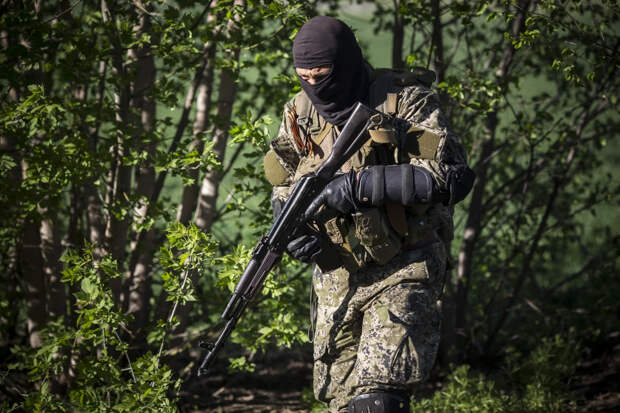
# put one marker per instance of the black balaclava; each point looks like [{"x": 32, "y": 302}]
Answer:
[{"x": 326, "y": 41}]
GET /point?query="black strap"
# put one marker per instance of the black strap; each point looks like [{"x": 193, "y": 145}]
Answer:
[
  {"x": 378, "y": 185},
  {"x": 379, "y": 403}
]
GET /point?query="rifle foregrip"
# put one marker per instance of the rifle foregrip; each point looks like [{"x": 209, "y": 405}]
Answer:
[{"x": 231, "y": 306}]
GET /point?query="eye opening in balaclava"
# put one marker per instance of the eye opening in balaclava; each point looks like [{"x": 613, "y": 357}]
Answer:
[
  {"x": 324, "y": 41},
  {"x": 318, "y": 75}
]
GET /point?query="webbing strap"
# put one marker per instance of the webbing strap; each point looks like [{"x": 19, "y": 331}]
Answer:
[
  {"x": 378, "y": 185},
  {"x": 324, "y": 132},
  {"x": 304, "y": 109},
  {"x": 391, "y": 103},
  {"x": 383, "y": 135},
  {"x": 398, "y": 219},
  {"x": 407, "y": 183},
  {"x": 303, "y": 105}
]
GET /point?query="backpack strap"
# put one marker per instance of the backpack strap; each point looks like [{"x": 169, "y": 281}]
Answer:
[
  {"x": 391, "y": 103},
  {"x": 315, "y": 127}
]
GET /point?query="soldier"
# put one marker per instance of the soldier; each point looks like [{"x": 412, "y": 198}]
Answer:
[{"x": 377, "y": 322}]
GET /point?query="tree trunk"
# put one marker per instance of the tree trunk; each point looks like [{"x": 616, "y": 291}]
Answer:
[
  {"x": 119, "y": 179},
  {"x": 95, "y": 219},
  {"x": 398, "y": 35},
  {"x": 50, "y": 247},
  {"x": 448, "y": 308},
  {"x": 31, "y": 265},
  {"x": 438, "y": 63},
  {"x": 161, "y": 177},
  {"x": 475, "y": 213},
  {"x": 139, "y": 283},
  {"x": 206, "y": 209},
  {"x": 32, "y": 274},
  {"x": 201, "y": 124}
]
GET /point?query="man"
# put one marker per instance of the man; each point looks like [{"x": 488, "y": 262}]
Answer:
[{"x": 388, "y": 216}]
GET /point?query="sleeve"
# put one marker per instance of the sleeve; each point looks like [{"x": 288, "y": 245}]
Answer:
[{"x": 433, "y": 146}]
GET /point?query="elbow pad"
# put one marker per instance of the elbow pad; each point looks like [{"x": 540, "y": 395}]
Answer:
[{"x": 403, "y": 184}]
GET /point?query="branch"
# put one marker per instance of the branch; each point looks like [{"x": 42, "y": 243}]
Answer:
[
  {"x": 473, "y": 225},
  {"x": 559, "y": 180},
  {"x": 159, "y": 183}
]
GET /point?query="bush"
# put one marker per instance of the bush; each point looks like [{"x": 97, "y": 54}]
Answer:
[
  {"x": 534, "y": 382},
  {"x": 86, "y": 365}
]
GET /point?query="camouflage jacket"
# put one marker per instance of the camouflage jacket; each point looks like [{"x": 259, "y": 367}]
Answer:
[{"x": 425, "y": 140}]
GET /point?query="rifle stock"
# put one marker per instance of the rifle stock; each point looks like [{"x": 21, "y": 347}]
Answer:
[{"x": 270, "y": 248}]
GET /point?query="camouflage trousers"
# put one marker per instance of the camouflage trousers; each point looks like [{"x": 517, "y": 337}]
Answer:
[{"x": 377, "y": 330}]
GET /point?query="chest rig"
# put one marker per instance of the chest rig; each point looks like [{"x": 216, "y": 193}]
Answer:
[{"x": 372, "y": 235}]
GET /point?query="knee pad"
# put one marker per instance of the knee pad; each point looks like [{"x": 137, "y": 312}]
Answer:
[{"x": 379, "y": 403}]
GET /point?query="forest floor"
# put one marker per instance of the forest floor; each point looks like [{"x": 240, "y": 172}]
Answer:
[
  {"x": 282, "y": 383},
  {"x": 596, "y": 383}
]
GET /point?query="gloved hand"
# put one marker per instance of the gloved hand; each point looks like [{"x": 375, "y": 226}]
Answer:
[
  {"x": 304, "y": 248},
  {"x": 402, "y": 184},
  {"x": 338, "y": 194}
]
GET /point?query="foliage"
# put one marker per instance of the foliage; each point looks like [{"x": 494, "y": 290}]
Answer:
[
  {"x": 309, "y": 402},
  {"x": 531, "y": 92},
  {"x": 101, "y": 139},
  {"x": 532, "y": 383},
  {"x": 100, "y": 380},
  {"x": 93, "y": 129}
]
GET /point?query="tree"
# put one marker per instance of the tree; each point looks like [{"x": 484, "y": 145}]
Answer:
[
  {"x": 116, "y": 121},
  {"x": 87, "y": 149}
]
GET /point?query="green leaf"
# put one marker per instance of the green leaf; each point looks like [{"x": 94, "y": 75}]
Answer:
[{"x": 89, "y": 287}]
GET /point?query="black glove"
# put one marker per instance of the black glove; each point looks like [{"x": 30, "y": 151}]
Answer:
[
  {"x": 402, "y": 184},
  {"x": 338, "y": 194},
  {"x": 304, "y": 248}
]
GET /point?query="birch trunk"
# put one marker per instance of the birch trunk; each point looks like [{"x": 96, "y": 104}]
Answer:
[
  {"x": 139, "y": 283},
  {"x": 95, "y": 219},
  {"x": 56, "y": 297},
  {"x": 206, "y": 209},
  {"x": 31, "y": 266},
  {"x": 119, "y": 178},
  {"x": 189, "y": 198}
]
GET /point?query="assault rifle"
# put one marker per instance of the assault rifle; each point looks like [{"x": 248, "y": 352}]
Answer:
[{"x": 270, "y": 248}]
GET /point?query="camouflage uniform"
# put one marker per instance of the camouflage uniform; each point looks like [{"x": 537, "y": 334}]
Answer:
[{"x": 377, "y": 322}]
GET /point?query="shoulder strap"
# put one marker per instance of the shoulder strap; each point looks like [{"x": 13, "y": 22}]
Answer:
[
  {"x": 391, "y": 103},
  {"x": 310, "y": 119},
  {"x": 303, "y": 105}
]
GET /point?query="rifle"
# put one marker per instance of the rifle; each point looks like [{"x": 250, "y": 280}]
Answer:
[{"x": 270, "y": 248}]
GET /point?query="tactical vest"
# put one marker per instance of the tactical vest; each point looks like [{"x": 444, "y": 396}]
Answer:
[{"x": 372, "y": 235}]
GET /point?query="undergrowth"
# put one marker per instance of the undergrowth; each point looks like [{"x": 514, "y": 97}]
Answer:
[{"x": 533, "y": 382}]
